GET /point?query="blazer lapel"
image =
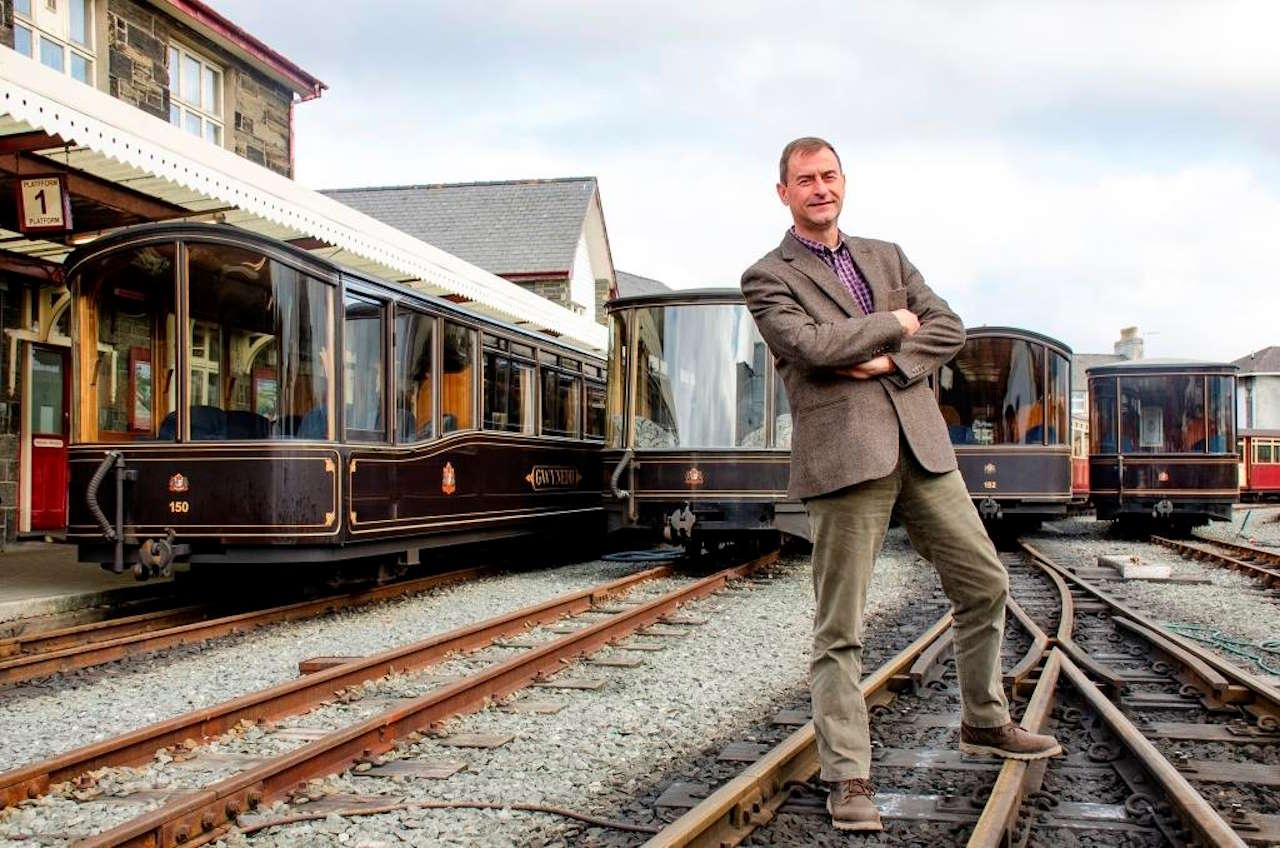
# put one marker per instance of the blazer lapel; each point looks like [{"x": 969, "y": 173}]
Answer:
[
  {"x": 871, "y": 273},
  {"x": 803, "y": 260}
]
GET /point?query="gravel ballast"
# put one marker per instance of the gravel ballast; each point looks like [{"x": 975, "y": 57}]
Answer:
[{"x": 59, "y": 713}]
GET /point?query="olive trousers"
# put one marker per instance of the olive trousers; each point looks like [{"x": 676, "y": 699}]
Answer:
[{"x": 848, "y": 528}]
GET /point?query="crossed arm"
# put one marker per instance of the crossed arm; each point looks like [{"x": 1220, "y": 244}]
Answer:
[{"x": 904, "y": 345}]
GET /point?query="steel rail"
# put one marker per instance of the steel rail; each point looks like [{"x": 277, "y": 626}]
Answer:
[
  {"x": 1266, "y": 697},
  {"x": 732, "y": 812},
  {"x": 1018, "y": 778},
  {"x": 1245, "y": 551},
  {"x": 87, "y": 654},
  {"x": 201, "y": 816},
  {"x": 1269, "y": 577},
  {"x": 299, "y": 695},
  {"x": 1014, "y": 677},
  {"x": 47, "y": 641},
  {"x": 1196, "y": 812}
]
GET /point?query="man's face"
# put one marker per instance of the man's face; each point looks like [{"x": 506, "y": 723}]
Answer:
[{"x": 814, "y": 189}]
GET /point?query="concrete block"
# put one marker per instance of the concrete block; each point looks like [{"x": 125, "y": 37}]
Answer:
[{"x": 1135, "y": 568}]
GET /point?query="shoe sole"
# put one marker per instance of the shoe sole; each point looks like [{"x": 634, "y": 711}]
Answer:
[
  {"x": 971, "y": 748},
  {"x": 844, "y": 824}
]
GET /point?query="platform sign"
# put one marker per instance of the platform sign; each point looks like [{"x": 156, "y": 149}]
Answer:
[{"x": 43, "y": 203}]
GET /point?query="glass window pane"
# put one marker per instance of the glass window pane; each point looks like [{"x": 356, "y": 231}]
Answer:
[
  {"x": 1162, "y": 414},
  {"x": 190, "y": 85},
  {"x": 1263, "y": 453},
  {"x": 597, "y": 417},
  {"x": 260, "y": 348},
  {"x": 362, "y": 377},
  {"x": 1057, "y": 401},
  {"x": 22, "y": 7},
  {"x": 212, "y": 132},
  {"x": 616, "y": 392},
  {"x": 1102, "y": 415},
  {"x": 175, "y": 114},
  {"x": 781, "y": 415},
  {"x": 212, "y": 91},
  {"x": 560, "y": 404},
  {"x": 174, "y": 60},
  {"x": 22, "y": 39},
  {"x": 497, "y": 379},
  {"x": 457, "y": 378},
  {"x": 414, "y": 355},
  {"x": 700, "y": 377},
  {"x": 81, "y": 27},
  {"x": 125, "y": 346},
  {"x": 992, "y": 393},
  {"x": 47, "y": 393},
  {"x": 521, "y": 399},
  {"x": 51, "y": 54},
  {"x": 191, "y": 122},
  {"x": 1220, "y": 412},
  {"x": 81, "y": 68}
]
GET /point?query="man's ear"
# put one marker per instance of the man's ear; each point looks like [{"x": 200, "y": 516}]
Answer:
[{"x": 782, "y": 193}]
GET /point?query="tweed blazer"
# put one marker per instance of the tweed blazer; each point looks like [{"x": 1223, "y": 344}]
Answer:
[{"x": 845, "y": 431}]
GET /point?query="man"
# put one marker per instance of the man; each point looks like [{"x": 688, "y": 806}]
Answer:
[{"x": 855, "y": 332}]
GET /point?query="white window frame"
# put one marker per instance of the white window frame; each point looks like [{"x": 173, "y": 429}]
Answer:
[
  {"x": 61, "y": 39},
  {"x": 180, "y": 109}
]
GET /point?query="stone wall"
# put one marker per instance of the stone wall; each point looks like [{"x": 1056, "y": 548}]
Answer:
[
  {"x": 10, "y": 408},
  {"x": 602, "y": 296},
  {"x": 6, "y": 23},
  {"x": 138, "y": 57},
  {"x": 263, "y": 121},
  {"x": 556, "y": 291}
]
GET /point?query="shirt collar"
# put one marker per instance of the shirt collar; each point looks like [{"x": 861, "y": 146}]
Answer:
[{"x": 817, "y": 246}]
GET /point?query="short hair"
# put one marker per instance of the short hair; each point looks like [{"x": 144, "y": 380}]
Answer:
[{"x": 807, "y": 144}]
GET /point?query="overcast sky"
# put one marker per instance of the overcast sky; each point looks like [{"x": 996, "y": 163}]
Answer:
[{"x": 1069, "y": 167}]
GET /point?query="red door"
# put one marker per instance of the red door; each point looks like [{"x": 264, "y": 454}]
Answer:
[{"x": 48, "y": 424}]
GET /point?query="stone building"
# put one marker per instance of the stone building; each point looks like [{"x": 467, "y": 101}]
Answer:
[
  {"x": 1258, "y": 390},
  {"x": 547, "y": 236}
]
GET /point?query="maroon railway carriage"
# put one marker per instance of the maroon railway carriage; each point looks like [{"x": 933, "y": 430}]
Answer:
[
  {"x": 1259, "y": 465},
  {"x": 699, "y": 432},
  {"x": 239, "y": 400},
  {"x": 1162, "y": 441}
]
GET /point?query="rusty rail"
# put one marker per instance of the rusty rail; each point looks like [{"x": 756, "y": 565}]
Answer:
[
  {"x": 199, "y": 817},
  {"x": 84, "y": 647},
  {"x": 1201, "y": 551},
  {"x": 752, "y": 798},
  {"x": 299, "y": 695}
]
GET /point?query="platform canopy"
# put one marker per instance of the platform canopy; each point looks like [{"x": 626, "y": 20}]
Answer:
[{"x": 139, "y": 167}]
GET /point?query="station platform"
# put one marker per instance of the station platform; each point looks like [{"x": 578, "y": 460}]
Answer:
[{"x": 43, "y": 578}]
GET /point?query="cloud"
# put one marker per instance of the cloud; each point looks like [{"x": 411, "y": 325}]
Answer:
[{"x": 1071, "y": 167}]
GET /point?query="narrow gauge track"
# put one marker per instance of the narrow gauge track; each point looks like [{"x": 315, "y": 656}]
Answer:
[
  {"x": 1191, "y": 755},
  {"x": 196, "y": 816},
  {"x": 1247, "y": 559},
  {"x": 27, "y": 656}
]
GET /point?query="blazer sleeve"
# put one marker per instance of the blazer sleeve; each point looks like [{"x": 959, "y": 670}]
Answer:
[
  {"x": 794, "y": 334},
  {"x": 941, "y": 333}
]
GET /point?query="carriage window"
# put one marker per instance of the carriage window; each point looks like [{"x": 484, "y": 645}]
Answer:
[
  {"x": 1102, "y": 415},
  {"x": 781, "y": 414},
  {"x": 457, "y": 379},
  {"x": 992, "y": 393},
  {"x": 363, "y": 375},
  {"x": 508, "y": 393},
  {"x": 1220, "y": 414},
  {"x": 414, "y": 403},
  {"x": 699, "y": 378},
  {"x": 561, "y": 399},
  {"x": 616, "y": 400},
  {"x": 258, "y": 347},
  {"x": 1057, "y": 395},
  {"x": 596, "y": 417},
  {"x": 1162, "y": 414},
  {"x": 125, "y": 346},
  {"x": 1263, "y": 452}
]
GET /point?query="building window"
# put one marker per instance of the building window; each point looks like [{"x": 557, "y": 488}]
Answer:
[
  {"x": 195, "y": 94},
  {"x": 57, "y": 33}
]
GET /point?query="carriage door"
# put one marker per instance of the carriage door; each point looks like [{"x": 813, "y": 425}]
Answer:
[{"x": 47, "y": 424}]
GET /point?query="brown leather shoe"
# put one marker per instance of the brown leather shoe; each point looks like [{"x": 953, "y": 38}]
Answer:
[
  {"x": 850, "y": 805},
  {"x": 1008, "y": 741}
]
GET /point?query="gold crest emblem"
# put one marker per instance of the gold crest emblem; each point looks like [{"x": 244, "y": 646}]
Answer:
[
  {"x": 448, "y": 479},
  {"x": 989, "y": 468},
  {"x": 178, "y": 483},
  {"x": 694, "y": 477},
  {"x": 1163, "y": 476}
]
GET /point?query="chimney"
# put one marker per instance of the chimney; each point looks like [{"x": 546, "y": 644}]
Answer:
[{"x": 1130, "y": 344}]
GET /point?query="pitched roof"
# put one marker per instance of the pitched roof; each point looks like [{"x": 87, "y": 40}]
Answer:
[
  {"x": 1266, "y": 360},
  {"x": 507, "y": 228},
  {"x": 630, "y": 285},
  {"x": 1082, "y": 362}
]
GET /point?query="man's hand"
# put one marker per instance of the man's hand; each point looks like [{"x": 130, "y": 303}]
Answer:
[
  {"x": 909, "y": 321},
  {"x": 871, "y": 368}
]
